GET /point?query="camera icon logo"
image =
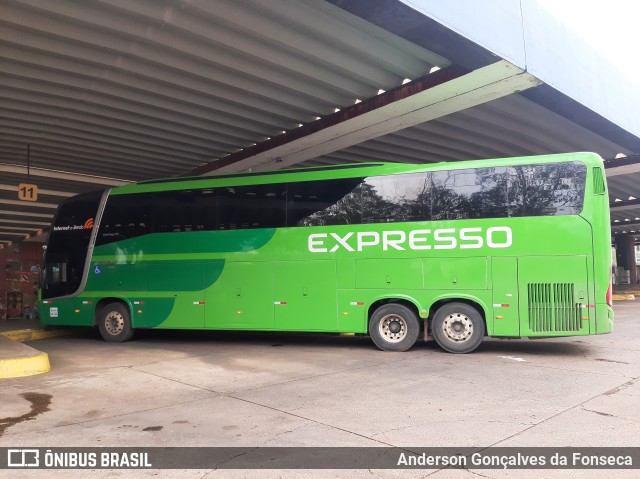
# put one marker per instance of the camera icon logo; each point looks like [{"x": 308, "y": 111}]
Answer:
[{"x": 23, "y": 458}]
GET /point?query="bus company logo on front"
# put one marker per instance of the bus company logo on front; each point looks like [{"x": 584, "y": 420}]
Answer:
[
  {"x": 416, "y": 240},
  {"x": 87, "y": 225}
]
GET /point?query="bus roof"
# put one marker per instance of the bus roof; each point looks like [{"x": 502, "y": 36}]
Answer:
[{"x": 338, "y": 171}]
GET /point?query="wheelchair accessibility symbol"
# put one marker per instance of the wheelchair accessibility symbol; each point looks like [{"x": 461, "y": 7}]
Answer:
[{"x": 98, "y": 269}]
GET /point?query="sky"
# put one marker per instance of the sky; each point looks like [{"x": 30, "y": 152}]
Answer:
[
  {"x": 547, "y": 37},
  {"x": 611, "y": 27}
]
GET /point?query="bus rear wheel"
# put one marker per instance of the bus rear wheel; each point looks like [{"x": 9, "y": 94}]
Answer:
[
  {"x": 394, "y": 327},
  {"x": 114, "y": 322},
  {"x": 458, "y": 328}
]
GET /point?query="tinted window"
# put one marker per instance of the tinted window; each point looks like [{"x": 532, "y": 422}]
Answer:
[
  {"x": 324, "y": 202},
  {"x": 396, "y": 198},
  {"x": 546, "y": 190},
  {"x": 451, "y": 191},
  {"x": 531, "y": 190},
  {"x": 470, "y": 193},
  {"x": 189, "y": 210},
  {"x": 490, "y": 201},
  {"x": 258, "y": 206},
  {"x": 498, "y": 192},
  {"x": 125, "y": 217}
]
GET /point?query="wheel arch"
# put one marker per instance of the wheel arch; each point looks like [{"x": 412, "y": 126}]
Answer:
[{"x": 407, "y": 301}]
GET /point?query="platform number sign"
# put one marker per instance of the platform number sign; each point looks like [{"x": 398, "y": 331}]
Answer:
[{"x": 27, "y": 192}]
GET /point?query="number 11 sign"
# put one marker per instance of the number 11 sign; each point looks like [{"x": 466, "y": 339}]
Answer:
[{"x": 27, "y": 192}]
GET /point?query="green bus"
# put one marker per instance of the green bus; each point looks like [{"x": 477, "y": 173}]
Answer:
[{"x": 508, "y": 248}]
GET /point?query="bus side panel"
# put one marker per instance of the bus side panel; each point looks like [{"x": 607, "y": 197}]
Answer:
[
  {"x": 601, "y": 226},
  {"x": 553, "y": 296},
  {"x": 604, "y": 318},
  {"x": 184, "y": 283},
  {"x": 305, "y": 295},
  {"x": 242, "y": 298},
  {"x": 352, "y": 307},
  {"x": 455, "y": 274},
  {"x": 399, "y": 274},
  {"x": 506, "y": 317},
  {"x": 67, "y": 312}
]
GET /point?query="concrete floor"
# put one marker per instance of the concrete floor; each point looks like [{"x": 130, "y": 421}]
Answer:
[{"x": 238, "y": 389}]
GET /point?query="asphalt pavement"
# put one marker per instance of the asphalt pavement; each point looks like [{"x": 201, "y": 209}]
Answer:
[{"x": 289, "y": 390}]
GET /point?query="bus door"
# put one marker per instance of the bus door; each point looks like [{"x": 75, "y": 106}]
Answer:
[
  {"x": 305, "y": 296},
  {"x": 505, "y": 296},
  {"x": 554, "y": 295}
]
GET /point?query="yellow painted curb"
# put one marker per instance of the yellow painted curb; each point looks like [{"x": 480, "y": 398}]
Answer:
[
  {"x": 18, "y": 360},
  {"x": 623, "y": 297},
  {"x": 33, "y": 334},
  {"x": 28, "y": 366}
]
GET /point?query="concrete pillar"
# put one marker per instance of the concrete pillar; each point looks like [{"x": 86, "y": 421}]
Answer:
[
  {"x": 626, "y": 256},
  {"x": 632, "y": 254}
]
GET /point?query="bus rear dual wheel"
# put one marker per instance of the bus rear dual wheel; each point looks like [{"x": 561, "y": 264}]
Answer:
[
  {"x": 456, "y": 327},
  {"x": 114, "y": 322}
]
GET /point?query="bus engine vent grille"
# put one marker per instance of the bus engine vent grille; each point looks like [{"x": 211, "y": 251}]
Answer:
[
  {"x": 552, "y": 308},
  {"x": 598, "y": 181}
]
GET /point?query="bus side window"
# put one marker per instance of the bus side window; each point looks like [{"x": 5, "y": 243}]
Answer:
[
  {"x": 124, "y": 217},
  {"x": 491, "y": 200},
  {"x": 470, "y": 193},
  {"x": 396, "y": 198},
  {"x": 254, "y": 206},
  {"x": 324, "y": 202},
  {"x": 547, "y": 190},
  {"x": 184, "y": 210}
]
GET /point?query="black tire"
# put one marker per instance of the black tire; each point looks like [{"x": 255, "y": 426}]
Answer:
[
  {"x": 394, "y": 327},
  {"x": 458, "y": 328},
  {"x": 114, "y": 323}
]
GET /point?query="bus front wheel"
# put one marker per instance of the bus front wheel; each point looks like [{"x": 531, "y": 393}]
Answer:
[
  {"x": 458, "y": 328},
  {"x": 114, "y": 323},
  {"x": 394, "y": 327}
]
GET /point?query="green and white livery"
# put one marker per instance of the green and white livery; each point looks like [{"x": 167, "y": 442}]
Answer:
[{"x": 511, "y": 248}]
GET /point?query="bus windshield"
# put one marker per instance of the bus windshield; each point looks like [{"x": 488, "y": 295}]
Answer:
[{"x": 66, "y": 254}]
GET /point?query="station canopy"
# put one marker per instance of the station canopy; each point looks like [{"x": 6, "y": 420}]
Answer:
[{"x": 98, "y": 94}]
